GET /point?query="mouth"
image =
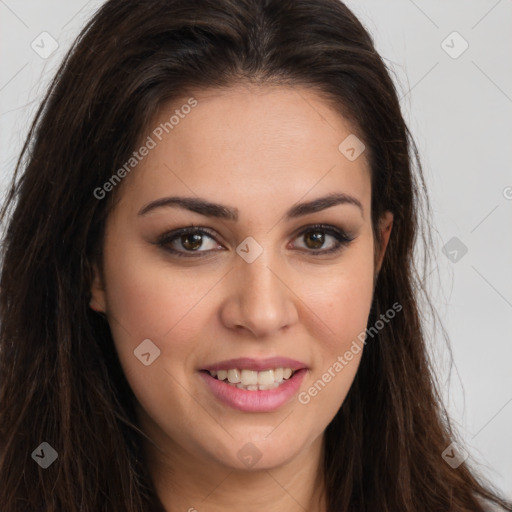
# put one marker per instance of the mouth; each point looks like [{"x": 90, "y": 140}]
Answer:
[
  {"x": 252, "y": 380},
  {"x": 254, "y": 386}
]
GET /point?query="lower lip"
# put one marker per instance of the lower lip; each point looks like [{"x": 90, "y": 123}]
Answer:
[{"x": 255, "y": 401}]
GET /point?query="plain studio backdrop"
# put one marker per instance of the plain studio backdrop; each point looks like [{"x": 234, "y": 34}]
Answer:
[{"x": 452, "y": 63}]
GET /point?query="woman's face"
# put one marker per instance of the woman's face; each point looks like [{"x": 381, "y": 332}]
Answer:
[{"x": 259, "y": 284}]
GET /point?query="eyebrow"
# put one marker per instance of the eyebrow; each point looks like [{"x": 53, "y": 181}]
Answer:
[{"x": 209, "y": 209}]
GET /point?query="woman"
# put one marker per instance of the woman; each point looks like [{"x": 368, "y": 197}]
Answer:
[{"x": 177, "y": 332}]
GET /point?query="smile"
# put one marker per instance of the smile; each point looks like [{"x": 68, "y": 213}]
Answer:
[
  {"x": 274, "y": 391},
  {"x": 252, "y": 380}
]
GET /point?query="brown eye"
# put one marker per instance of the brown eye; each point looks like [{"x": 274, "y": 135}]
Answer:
[
  {"x": 191, "y": 241},
  {"x": 315, "y": 239}
]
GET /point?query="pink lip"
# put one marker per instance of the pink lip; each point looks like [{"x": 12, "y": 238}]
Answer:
[
  {"x": 254, "y": 401},
  {"x": 259, "y": 365}
]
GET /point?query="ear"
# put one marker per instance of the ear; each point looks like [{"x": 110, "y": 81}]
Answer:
[
  {"x": 98, "y": 299},
  {"x": 385, "y": 226}
]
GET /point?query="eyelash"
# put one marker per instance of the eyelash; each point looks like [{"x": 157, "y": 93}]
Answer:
[{"x": 341, "y": 237}]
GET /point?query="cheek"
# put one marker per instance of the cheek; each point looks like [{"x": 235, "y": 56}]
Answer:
[
  {"x": 344, "y": 305},
  {"x": 343, "y": 300},
  {"x": 148, "y": 299}
]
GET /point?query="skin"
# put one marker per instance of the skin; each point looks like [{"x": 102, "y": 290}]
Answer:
[{"x": 260, "y": 149}]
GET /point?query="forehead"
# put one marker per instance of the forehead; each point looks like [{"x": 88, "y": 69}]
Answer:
[{"x": 250, "y": 143}]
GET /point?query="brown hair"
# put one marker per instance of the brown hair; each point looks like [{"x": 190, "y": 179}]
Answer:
[{"x": 60, "y": 378}]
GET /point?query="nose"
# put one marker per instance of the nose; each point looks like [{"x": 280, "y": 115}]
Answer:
[{"x": 260, "y": 298}]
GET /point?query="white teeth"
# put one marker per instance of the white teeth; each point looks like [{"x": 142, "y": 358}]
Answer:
[
  {"x": 265, "y": 378},
  {"x": 234, "y": 376},
  {"x": 249, "y": 378},
  {"x": 252, "y": 380},
  {"x": 271, "y": 386}
]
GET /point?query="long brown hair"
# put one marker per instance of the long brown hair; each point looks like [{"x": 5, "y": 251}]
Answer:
[{"x": 60, "y": 378}]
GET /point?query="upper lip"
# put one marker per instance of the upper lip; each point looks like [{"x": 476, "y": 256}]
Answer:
[{"x": 248, "y": 363}]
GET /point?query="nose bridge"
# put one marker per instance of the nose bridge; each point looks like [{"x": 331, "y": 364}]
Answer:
[
  {"x": 264, "y": 302},
  {"x": 258, "y": 276}
]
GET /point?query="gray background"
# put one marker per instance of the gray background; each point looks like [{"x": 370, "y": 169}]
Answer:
[{"x": 459, "y": 109}]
